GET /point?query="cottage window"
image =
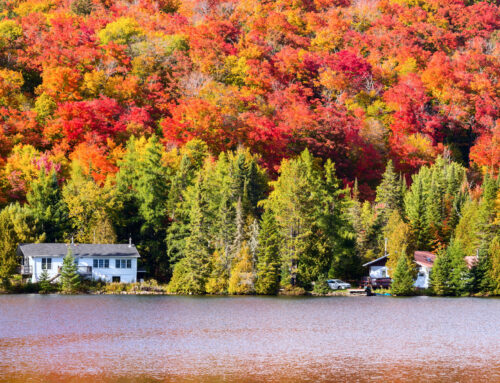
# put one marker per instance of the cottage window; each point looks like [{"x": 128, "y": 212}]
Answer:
[
  {"x": 101, "y": 263},
  {"x": 46, "y": 263},
  {"x": 123, "y": 263}
]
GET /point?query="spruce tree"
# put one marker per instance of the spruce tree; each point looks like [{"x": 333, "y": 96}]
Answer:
[
  {"x": 441, "y": 274},
  {"x": 191, "y": 273},
  {"x": 460, "y": 277},
  {"x": 44, "y": 282},
  {"x": 70, "y": 279},
  {"x": 402, "y": 278},
  {"x": 152, "y": 195},
  {"x": 268, "y": 262},
  {"x": 389, "y": 194}
]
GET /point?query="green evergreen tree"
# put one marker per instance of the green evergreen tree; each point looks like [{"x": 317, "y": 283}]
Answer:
[
  {"x": 321, "y": 286},
  {"x": 441, "y": 274},
  {"x": 310, "y": 211},
  {"x": 193, "y": 155},
  {"x": 402, "y": 279},
  {"x": 415, "y": 206},
  {"x": 434, "y": 203},
  {"x": 389, "y": 193},
  {"x": 70, "y": 279},
  {"x": 268, "y": 262},
  {"x": 191, "y": 273},
  {"x": 481, "y": 274},
  {"x": 460, "y": 278},
  {"x": 152, "y": 194},
  {"x": 44, "y": 283},
  {"x": 142, "y": 187}
]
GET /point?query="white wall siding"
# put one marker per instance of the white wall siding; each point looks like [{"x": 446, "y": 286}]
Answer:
[
  {"x": 107, "y": 274},
  {"x": 104, "y": 274},
  {"x": 423, "y": 277},
  {"x": 36, "y": 266}
]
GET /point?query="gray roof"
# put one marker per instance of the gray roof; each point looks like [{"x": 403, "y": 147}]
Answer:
[{"x": 78, "y": 250}]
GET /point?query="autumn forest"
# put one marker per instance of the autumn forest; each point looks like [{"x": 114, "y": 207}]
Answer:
[{"x": 251, "y": 145}]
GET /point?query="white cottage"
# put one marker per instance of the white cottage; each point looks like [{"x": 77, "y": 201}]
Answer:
[
  {"x": 109, "y": 263},
  {"x": 425, "y": 261}
]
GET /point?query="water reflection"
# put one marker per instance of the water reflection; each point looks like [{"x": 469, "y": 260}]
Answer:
[{"x": 249, "y": 339}]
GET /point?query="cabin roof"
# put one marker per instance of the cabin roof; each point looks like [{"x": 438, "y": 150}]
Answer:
[
  {"x": 471, "y": 261},
  {"x": 424, "y": 258},
  {"x": 377, "y": 262},
  {"x": 78, "y": 250}
]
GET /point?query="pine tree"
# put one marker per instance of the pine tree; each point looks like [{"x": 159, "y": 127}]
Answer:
[
  {"x": 44, "y": 283},
  {"x": 70, "y": 279},
  {"x": 441, "y": 274},
  {"x": 309, "y": 207},
  {"x": 415, "y": 206},
  {"x": 191, "y": 273},
  {"x": 389, "y": 193},
  {"x": 268, "y": 262},
  {"x": 152, "y": 194},
  {"x": 402, "y": 279},
  {"x": 460, "y": 277},
  {"x": 193, "y": 156},
  {"x": 481, "y": 274}
]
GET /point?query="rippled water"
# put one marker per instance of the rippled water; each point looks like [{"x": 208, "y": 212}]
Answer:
[{"x": 213, "y": 339}]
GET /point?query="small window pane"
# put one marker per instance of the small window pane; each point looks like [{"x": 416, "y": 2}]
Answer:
[
  {"x": 129, "y": 263},
  {"x": 106, "y": 263},
  {"x": 124, "y": 263},
  {"x": 95, "y": 263},
  {"x": 117, "y": 263},
  {"x": 49, "y": 263}
]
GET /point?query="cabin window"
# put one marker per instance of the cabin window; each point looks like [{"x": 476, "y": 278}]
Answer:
[
  {"x": 101, "y": 263},
  {"x": 46, "y": 263},
  {"x": 123, "y": 263}
]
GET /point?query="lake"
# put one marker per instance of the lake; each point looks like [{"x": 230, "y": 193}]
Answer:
[{"x": 248, "y": 339}]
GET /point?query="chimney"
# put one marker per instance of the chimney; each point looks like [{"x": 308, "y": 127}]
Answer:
[
  {"x": 72, "y": 241},
  {"x": 129, "y": 241}
]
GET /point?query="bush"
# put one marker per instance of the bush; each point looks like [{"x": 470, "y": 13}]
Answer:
[
  {"x": 115, "y": 288},
  {"x": 321, "y": 286}
]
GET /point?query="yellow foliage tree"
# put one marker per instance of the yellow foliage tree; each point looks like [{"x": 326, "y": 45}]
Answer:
[
  {"x": 242, "y": 274},
  {"x": 217, "y": 282},
  {"x": 398, "y": 234}
]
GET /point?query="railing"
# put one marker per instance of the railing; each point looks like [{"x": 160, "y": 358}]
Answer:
[
  {"x": 85, "y": 269},
  {"x": 26, "y": 270}
]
